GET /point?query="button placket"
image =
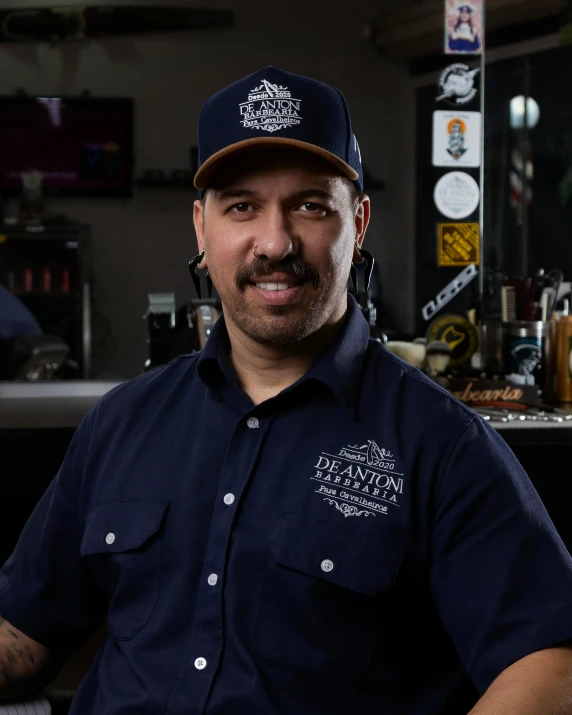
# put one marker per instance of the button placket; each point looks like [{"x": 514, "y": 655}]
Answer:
[{"x": 237, "y": 470}]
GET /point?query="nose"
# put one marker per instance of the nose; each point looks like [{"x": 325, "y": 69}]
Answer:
[{"x": 275, "y": 239}]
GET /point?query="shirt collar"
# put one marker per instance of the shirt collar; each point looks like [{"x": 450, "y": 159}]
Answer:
[{"x": 339, "y": 365}]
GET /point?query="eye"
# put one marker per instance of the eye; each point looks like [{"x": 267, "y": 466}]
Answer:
[
  {"x": 310, "y": 207},
  {"x": 241, "y": 208}
]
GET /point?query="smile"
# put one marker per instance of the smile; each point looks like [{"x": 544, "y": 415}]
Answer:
[{"x": 273, "y": 286}]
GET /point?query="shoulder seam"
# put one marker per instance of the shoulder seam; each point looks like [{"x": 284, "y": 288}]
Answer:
[{"x": 451, "y": 453}]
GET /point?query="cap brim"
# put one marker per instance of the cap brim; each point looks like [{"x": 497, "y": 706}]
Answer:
[{"x": 214, "y": 162}]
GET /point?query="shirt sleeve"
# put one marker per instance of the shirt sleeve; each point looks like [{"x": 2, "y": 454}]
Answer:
[
  {"x": 45, "y": 589},
  {"x": 501, "y": 575}
]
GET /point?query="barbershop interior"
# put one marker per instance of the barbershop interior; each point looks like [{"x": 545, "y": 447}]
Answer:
[{"x": 464, "y": 122}]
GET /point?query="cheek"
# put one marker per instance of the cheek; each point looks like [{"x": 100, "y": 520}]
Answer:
[
  {"x": 224, "y": 254},
  {"x": 341, "y": 253}
]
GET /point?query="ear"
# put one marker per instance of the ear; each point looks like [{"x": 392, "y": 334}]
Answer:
[
  {"x": 362, "y": 216},
  {"x": 199, "y": 221}
]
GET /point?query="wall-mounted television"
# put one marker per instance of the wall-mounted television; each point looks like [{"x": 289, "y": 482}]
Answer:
[{"x": 82, "y": 145}]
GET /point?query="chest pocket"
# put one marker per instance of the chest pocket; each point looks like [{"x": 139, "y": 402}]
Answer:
[
  {"x": 323, "y": 598},
  {"x": 121, "y": 546}
]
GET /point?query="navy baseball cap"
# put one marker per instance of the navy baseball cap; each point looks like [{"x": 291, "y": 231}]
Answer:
[{"x": 276, "y": 108}]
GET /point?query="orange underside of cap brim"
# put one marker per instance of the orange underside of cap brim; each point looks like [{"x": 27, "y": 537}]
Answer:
[{"x": 214, "y": 162}]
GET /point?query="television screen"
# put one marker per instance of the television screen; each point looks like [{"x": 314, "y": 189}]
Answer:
[{"x": 83, "y": 146}]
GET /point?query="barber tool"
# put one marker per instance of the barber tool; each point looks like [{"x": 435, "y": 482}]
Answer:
[
  {"x": 412, "y": 352},
  {"x": 508, "y": 303},
  {"x": 438, "y": 357},
  {"x": 360, "y": 274},
  {"x": 205, "y": 318},
  {"x": 161, "y": 322}
]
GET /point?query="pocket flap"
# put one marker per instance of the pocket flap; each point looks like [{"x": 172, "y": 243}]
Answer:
[
  {"x": 343, "y": 557},
  {"x": 121, "y": 526}
]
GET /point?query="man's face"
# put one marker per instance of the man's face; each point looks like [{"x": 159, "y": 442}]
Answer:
[{"x": 303, "y": 221}]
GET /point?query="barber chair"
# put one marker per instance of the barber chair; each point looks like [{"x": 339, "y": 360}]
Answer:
[{"x": 32, "y": 357}]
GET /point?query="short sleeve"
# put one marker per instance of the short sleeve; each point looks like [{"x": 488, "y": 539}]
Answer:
[
  {"x": 45, "y": 589},
  {"x": 501, "y": 575}
]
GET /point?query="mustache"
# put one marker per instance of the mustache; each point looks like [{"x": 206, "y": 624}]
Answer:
[{"x": 291, "y": 266}]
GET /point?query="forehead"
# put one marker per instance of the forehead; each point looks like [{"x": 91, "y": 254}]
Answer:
[{"x": 286, "y": 170}]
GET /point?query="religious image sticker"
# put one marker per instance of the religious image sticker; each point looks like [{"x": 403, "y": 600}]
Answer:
[
  {"x": 459, "y": 333},
  {"x": 456, "y": 138},
  {"x": 457, "y": 195},
  {"x": 458, "y": 244}
]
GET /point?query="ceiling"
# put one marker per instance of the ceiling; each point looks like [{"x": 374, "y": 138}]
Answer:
[{"x": 416, "y": 30}]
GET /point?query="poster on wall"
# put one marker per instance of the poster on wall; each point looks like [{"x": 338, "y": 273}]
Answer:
[
  {"x": 457, "y": 139},
  {"x": 463, "y": 27}
]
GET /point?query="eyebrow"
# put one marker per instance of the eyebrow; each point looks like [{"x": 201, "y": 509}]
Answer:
[{"x": 229, "y": 194}]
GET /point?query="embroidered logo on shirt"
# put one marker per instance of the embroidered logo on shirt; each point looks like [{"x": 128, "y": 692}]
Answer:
[
  {"x": 270, "y": 107},
  {"x": 359, "y": 480}
]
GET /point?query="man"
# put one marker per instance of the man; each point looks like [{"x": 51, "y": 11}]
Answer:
[{"x": 293, "y": 520}]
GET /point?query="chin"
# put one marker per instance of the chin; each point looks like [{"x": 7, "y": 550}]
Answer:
[{"x": 279, "y": 335}]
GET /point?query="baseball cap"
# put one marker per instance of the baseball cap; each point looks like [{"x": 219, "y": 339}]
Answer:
[{"x": 272, "y": 107}]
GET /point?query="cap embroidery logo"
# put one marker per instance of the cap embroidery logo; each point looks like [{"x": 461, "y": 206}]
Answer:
[
  {"x": 361, "y": 480},
  {"x": 270, "y": 107}
]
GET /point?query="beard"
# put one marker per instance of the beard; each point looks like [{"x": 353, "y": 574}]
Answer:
[
  {"x": 281, "y": 325},
  {"x": 278, "y": 325}
]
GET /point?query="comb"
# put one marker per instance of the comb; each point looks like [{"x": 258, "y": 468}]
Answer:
[{"x": 508, "y": 304}]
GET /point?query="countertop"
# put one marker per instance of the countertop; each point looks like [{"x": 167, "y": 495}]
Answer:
[{"x": 53, "y": 404}]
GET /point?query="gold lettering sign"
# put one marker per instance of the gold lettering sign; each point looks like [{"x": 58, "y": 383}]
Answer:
[
  {"x": 495, "y": 393},
  {"x": 505, "y": 395},
  {"x": 458, "y": 244}
]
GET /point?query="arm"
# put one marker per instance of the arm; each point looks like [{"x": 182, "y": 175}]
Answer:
[
  {"x": 501, "y": 575},
  {"x": 538, "y": 684},
  {"x": 26, "y": 666}
]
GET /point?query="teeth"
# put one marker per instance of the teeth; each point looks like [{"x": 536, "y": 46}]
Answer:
[{"x": 273, "y": 286}]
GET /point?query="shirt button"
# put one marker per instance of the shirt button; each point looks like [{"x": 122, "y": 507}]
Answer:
[
  {"x": 212, "y": 579},
  {"x": 252, "y": 422},
  {"x": 200, "y": 663},
  {"x": 327, "y": 565},
  {"x": 110, "y": 538},
  {"x": 228, "y": 499}
]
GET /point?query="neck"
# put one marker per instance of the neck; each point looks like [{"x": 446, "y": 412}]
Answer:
[{"x": 263, "y": 371}]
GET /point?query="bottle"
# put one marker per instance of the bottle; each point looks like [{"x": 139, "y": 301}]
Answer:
[{"x": 564, "y": 358}]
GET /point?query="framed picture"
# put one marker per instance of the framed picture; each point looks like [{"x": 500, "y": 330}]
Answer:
[{"x": 463, "y": 27}]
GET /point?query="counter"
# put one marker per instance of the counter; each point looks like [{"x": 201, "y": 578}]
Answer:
[{"x": 57, "y": 404}]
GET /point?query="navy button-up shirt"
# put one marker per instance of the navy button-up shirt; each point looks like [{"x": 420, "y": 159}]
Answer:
[{"x": 360, "y": 543}]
